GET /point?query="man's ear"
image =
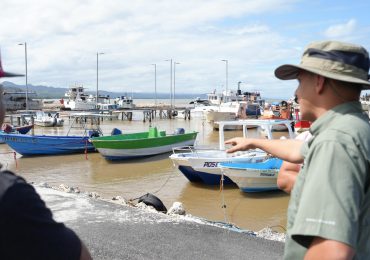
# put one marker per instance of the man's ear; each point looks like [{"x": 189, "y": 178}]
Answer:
[{"x": 319, "y": 84}]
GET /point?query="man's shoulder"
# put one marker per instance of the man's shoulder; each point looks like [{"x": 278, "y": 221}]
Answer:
[
  {"x": 355, "y": 126},
  {"x": 7, "y": 180}
]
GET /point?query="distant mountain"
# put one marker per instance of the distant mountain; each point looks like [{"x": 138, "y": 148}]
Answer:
[{"x": 52, "y": 92}]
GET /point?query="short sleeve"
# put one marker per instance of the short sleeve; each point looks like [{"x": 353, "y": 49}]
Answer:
[
  {"x": 332, "y": 194},
  {"x": 28, "y": 230}
]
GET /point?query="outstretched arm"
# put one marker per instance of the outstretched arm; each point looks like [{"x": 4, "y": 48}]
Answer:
[{"x": 287, "y": 150}]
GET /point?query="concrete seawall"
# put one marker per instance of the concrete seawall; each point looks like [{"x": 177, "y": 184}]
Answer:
[{"x": 113, "y": 231}]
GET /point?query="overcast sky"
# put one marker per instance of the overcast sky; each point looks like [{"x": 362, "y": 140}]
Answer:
[{"x": 254, "y": 36}]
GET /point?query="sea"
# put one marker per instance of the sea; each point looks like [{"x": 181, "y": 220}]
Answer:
[{"x": 157, "y": 175}]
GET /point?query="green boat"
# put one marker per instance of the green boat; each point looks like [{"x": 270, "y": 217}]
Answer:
[{"x": 153, "y": 142}]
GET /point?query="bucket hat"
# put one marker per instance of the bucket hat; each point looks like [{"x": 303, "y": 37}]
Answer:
[
  {"x": 331, "y": 59},
  {"x": 4, "y": 74}
]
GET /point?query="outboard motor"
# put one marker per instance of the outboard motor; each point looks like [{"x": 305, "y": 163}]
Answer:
[
  {"x": 151, "y": 200},
  {"x": 179, "y": 131},
  {"x": 93, "y": 133},
  {"x": 116, "y": 131}
]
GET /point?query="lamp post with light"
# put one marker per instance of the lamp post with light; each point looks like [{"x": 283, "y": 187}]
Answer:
[
  {"x": 227, "y": 74},
  {"x": 97, "y": 76},
  {"x": 174, "y": 80},
  {"x": 155, "y": 83},
  {"x": 25, "y": 59},
  {"x": 170, "y": 60}
]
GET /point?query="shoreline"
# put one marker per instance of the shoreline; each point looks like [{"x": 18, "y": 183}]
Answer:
[
  {"x": 115, "y": 231},
  {"x": 265, "y": 233}
]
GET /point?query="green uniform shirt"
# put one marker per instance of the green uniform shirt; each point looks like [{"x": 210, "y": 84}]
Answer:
[{"x": 331, "y": 197}]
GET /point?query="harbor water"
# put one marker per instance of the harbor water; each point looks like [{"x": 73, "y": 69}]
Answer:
[{"x": 133, "y": 178}]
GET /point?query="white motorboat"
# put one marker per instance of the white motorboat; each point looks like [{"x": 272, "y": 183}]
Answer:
[
  {"x": 124, "y": 102},
  {"x": 253, "y": 177},
  {"x": 48, "y": 119},
  {"x": 202, "y": 165}
]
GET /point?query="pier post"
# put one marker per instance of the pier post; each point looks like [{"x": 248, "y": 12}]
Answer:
[{"x": 32, "y": 123}]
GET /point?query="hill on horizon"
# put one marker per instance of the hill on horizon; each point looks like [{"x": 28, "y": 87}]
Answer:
[{"x": 54, "y": 93}]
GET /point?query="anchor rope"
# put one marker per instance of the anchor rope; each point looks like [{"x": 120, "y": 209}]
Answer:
[{"x": 223, "y": 206}]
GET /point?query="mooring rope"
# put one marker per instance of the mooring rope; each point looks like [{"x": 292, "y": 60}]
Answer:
[
  {"x": 86, "y": 149},
  {"x": 223, "y": 206}
]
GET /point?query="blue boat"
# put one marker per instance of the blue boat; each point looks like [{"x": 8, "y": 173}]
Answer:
[
  {"x": 30, "y": 145},
  {"x": 47, "y": 144},
  {"x": 253, "y": 177},
  {"x": 9, "y": 129}
]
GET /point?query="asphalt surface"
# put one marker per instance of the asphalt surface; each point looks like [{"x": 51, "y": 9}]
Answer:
[{"x": 113, "y": 231}]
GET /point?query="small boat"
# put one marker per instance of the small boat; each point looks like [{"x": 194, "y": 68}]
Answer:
[
  {"x": 31, "y": 145},
  {"x": 253, "y": 177},
  {"x": 152, "y": 142},
  {"x": 48, "y": 119},
  {"x": 7, "y": 128},
  {"x": 202, "y": 165},
  {"x": 124, "y": 102}
]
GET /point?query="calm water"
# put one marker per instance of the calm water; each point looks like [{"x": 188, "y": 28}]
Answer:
[{"x": 131, "y": 179}]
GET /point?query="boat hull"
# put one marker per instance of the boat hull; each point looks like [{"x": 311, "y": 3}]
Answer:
[
  {"x": 127, "y": 146},
  {"x": 203, "y": 166},
  {"x": 29, "y": 145},
  {"x": 254, "y": 177}
]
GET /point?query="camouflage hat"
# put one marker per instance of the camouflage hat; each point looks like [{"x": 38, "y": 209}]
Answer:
[{"x": 331, "y": 59}]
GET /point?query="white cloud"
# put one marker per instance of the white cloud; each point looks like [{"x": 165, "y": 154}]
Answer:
[
  {"x": 341, "y": 30},
  {"x": 63, "y": 38}
]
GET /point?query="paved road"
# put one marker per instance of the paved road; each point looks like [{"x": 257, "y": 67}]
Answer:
[{"x": 113, "y": 231}]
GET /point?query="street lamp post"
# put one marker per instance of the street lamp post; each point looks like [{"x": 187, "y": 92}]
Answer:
[
  {"x": 170, "y": 81},
  {"x": 97, "y": 77},
  {"x": 227, "y": 74},
  {"x": 155, "y": 83},
  {"x": 25, "y": 58},
  {"x": 174, "y": 80}
]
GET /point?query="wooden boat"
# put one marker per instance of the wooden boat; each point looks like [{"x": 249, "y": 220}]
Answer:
[
  {"x": 253, "y": 177},
  {"x": 31, "y": 145},
  {"x": 126, "y": 146}
]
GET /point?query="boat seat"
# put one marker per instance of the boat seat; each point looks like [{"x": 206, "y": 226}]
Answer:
[{"x": 153, "y": 132}]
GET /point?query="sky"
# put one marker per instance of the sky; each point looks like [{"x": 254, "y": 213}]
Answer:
[{"x": 65, "y": 39}]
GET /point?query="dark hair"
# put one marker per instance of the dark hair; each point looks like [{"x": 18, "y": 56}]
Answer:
[{"x": 342, "y": 84}]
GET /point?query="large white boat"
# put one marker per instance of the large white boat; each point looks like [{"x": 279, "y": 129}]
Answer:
[
  {"x": 14, "y": 99},
  {"x": 78, "y": 99}
]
